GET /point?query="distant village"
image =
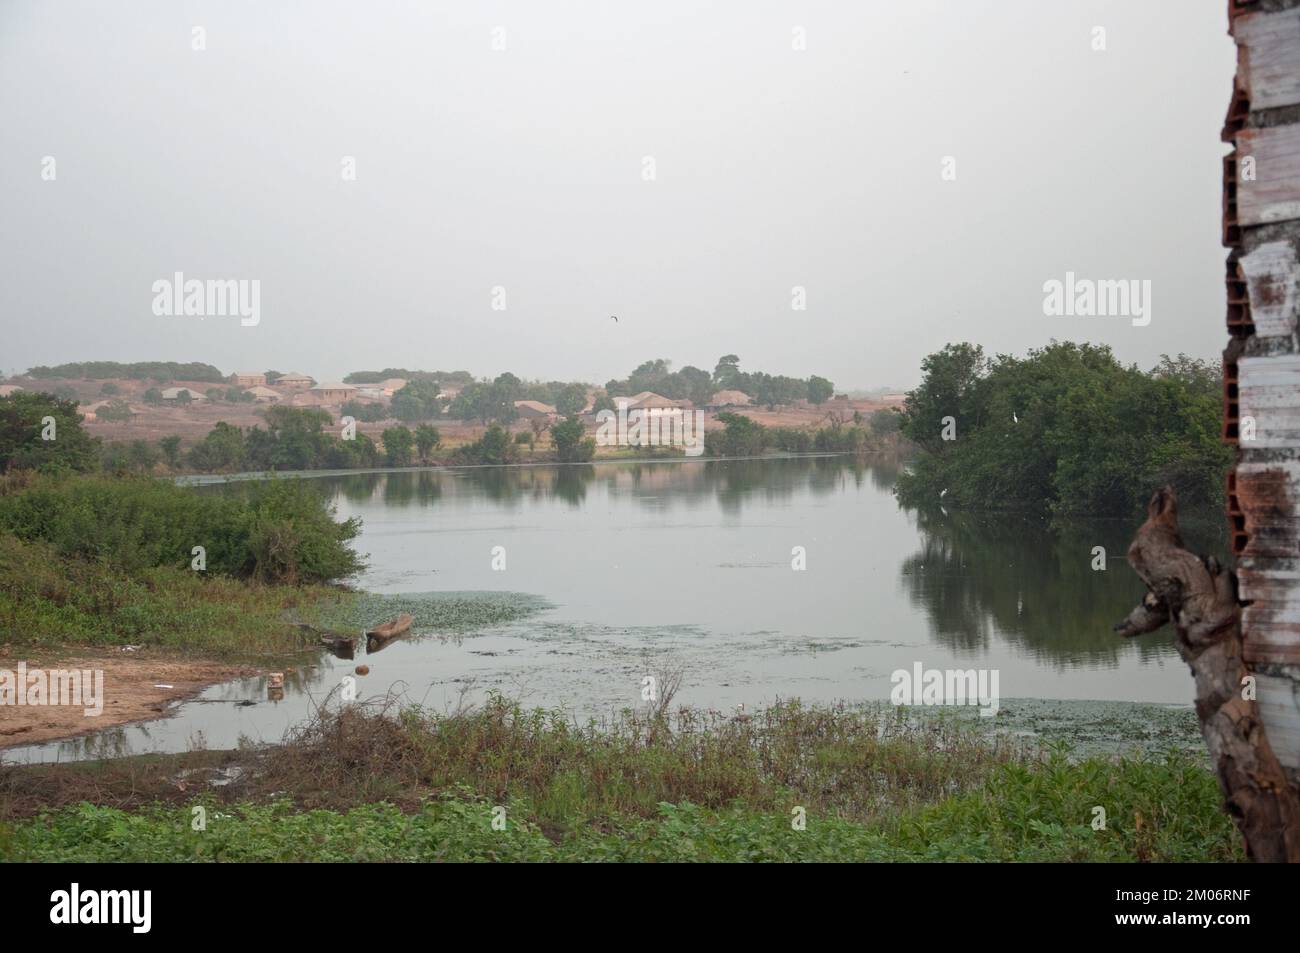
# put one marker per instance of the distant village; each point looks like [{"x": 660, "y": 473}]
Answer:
[{"x": 296, "y": 389}]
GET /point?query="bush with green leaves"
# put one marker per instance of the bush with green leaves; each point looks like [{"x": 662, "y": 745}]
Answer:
[
  {"x": 117, "y": 411},
  {"x": 741, "y": 437},
  {"x": 840, "y": 439},
  {"x": 572, "y": 445},
  {"x": 273, "y": 531},
  {"x": 495, "y": 447},
  {"x": 885, "y": 422}
]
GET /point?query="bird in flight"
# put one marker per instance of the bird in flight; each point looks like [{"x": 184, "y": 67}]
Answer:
[{"x": 614, "y": 317}]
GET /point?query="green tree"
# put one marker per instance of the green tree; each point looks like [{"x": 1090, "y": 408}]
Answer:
[
  {"x": 418, "y": 400},
  {"x": 571, "y": 400},
  {"x": 426, "y": 439},
  {"x": 949, "y": 388},
  {"x": 153, "y": 396},
  {"x": 820, "y": 390},
  {"x": 1066, "y": 429},
  {"x": 294, "y": 439},
  {"x": 489, "y": 403},
  {"x": 39, "y": 430},
  {"x": 364, "y": 412},
  {"x": 398, "y": 442},
  {"x": 223, "y": 449},
  {"x": 726, "y": 372},
  {"x": 693, "y": 384},
  {"x": 171, "y": 450},
  {"x": 115, "y": 411},
  {"x": 144, "y": 456},
  {"x": 572, "y": 445},
  {"x": 885, "y": 421},
  {"x": 741, "y": 436}
]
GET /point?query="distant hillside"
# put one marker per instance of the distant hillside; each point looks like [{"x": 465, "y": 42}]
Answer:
[{"x": 140, "y": 371}]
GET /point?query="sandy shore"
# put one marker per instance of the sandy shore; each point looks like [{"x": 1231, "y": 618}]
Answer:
[{"x": 136, "y": 687}]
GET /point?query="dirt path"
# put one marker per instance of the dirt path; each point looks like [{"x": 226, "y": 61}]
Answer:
[{"x": 136, "y": 687}]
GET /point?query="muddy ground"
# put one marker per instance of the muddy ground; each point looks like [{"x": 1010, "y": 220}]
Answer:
[{"x": 137, "y": 686}]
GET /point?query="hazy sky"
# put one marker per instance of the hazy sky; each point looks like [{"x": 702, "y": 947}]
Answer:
[{"x": 523, "y": 168}]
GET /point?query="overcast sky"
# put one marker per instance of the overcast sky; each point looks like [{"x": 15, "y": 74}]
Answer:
[{"x": 524, "y": 168}]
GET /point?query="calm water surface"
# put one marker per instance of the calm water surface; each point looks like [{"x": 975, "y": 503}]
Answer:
[{"x": 688, "y": 564}]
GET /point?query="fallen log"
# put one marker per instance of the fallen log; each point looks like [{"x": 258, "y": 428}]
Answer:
[{"x": 1199, "y": 596}]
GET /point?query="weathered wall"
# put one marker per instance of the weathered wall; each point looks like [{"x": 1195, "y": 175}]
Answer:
[{"x": 1261, "y": 226}]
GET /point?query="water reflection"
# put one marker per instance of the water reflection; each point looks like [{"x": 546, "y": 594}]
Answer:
[
  {"x": 692, "y": 561},
  {"x": 1031, "y": 583},
  {"x": 728, "y": 482}
]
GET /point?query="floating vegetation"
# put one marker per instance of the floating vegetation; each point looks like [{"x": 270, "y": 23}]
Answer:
[{"x": 440, "y": 612}]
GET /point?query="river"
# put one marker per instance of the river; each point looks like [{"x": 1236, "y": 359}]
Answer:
[{"x": 692, "y": 566}]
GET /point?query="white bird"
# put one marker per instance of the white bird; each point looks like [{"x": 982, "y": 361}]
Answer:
[
  {"x": 1014, "y": 417},
  {"x": 943, "y": 493}
]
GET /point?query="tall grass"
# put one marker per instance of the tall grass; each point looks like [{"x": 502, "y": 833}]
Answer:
[{"x": 47, "y": 600}]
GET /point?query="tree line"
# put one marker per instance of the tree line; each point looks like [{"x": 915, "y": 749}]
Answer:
[
  {"x": 161, "y": 371},
  {"x": 1067, "y": 429},
  {"x": 698, "y": 386}
]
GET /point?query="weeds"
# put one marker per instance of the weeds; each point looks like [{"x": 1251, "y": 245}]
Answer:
[{"x": 382, "y": 783}]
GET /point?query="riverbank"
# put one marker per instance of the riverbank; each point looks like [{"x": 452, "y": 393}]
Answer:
[
  {"x": 135, "y": 687},
  {"x": 501, "y": 782}
]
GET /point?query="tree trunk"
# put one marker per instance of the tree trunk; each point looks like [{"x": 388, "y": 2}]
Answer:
[{"x": 1200, "y": 597}]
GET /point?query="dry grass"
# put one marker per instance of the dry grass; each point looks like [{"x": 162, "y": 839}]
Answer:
[{"x": 857, "y": 762}]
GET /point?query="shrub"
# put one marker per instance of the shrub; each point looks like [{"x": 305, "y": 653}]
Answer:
[
  {"x": 494, "y": 448},
  {"x": 277, "y": 531},
  {"x": 571, "y": 443}
]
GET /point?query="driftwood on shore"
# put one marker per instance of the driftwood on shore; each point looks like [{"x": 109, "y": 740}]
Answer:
[
  {"x": 378, "y": 637},
  {"x": 1199, "y": 596}
]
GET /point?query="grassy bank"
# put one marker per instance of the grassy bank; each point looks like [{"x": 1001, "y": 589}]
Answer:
[
  {"x": 362, "y": 784},
  {"x": 47, "y": 601},
  {"x": 93, "y": 560}
]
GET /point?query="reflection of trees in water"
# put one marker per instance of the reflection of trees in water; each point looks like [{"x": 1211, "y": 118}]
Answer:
[
  {"x": 692, "y": 484},
  {"x": 885, "y": 468},
  {"x": 1028, "y": 582}
]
